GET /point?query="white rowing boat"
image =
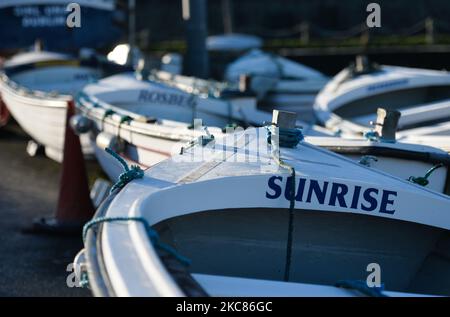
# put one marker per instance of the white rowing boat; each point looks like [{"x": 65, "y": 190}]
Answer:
[
  {"x": 349, "y": 101},
  {"x": 278, "y": 82},
  {"x": 410, "y": 161},
  {"x": 419, "y": 163},
  {"x": 147, "y": 121},
  {"x": 250, "y": 228},
  {"x": 37, "y": 87}
]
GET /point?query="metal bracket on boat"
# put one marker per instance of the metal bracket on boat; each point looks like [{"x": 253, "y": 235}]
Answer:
[
  {"x": 201, "y": 140},
  {"x": 284, "y": 129},
  {"x": 366, "y": 159},
  {"x": 385, "y": 126},
  {"x": 80, "y": 269},
  {"x": 209, "y": 137}
]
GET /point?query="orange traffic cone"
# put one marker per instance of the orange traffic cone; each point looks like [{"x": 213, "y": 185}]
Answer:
[{"x": 74, "y": 203}]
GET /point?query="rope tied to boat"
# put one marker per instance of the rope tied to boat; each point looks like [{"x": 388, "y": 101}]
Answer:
[
  {"x": 152, "y": 234},
  {"x": 125, "y": 118},
  {"x": 423, "y": 180},
  {"x": 372, "y": 135},
  {"x": 361, "y": 286},
  {"x": 108, "y": 113},
  {"x": 129, "y": 174},
  {"x": 84, "y": 280},
  {"x": 286, "y": 137}
]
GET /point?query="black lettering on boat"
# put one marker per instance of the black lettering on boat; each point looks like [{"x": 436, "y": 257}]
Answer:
[
  {"x": 338, "y": 192},
  {"x": 165, "y": 98},
  {"x": 368, "y": 199},
  {"x": 355, "y": 198},
  {"x": 385, "y": 201},
  {"x": 320, "y": 193},
  {"x": 275, "y": 187}
]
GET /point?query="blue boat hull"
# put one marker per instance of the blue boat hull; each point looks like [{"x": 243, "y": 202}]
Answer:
[{"x": 21, "y": 26}]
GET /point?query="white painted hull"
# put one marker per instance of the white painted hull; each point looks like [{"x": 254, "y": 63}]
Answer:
[
  {"x": 144, "y": 152},
  {"x": 43, "y": 119},
  {"x": 343, "y": 217},
  {"x": 37, "y": 87},
  {"x": 125, "y": 95},
  {"x": 403, "y": 160},
  {"x": 349, "y": 103},
  {"x": 141, "y": 143}
]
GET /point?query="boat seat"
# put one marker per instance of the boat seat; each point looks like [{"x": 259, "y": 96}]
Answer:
[{"x": 225, "y": 286}]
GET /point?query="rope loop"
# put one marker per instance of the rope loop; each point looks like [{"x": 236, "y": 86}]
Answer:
[
  {"x": 287, "y": 137},
  {"x": 129, "y": 174}
]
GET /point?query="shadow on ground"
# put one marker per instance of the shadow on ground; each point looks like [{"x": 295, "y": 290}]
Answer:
[{"x": 31, "y": 265}]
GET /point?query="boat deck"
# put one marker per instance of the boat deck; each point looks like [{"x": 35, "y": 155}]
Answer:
[{"x": 31, "y": 265}]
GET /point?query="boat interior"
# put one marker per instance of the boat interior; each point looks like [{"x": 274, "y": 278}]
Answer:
[
  {"x": 62, "y": 79},
  {"x": 393, "y": 100},
  {"x": 197, "y": 86},
  {"x": 250, "y": 247}
]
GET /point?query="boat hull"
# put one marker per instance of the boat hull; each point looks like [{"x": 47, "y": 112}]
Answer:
[
  {"x": 145, "y": 151},
  {"x": 44, "y": 119},
  {"x": 138, "y": 142},
  {"x": 22, "y": 22}
]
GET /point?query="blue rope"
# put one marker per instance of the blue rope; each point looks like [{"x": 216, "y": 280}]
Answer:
[
  {"x": 84, "y": 280},
  {"x": 128, "y": 175},
  {"x": 152, "y": 234},
  {"x": 125, "y": 118},
  {"x": 361, "y": 286},
  {"x": 287, "y": 137},
  {"x": 371, "y": 135}
]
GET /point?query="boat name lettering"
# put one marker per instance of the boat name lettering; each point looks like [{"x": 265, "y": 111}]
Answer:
[
  {"x": 333, "y": 194},
  {"x": 166, "y": 98}
]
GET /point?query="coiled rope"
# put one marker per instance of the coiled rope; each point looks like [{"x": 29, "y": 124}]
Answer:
[
  {"x": 129, "y": 174},
  {"x": 286, "y": 137}
]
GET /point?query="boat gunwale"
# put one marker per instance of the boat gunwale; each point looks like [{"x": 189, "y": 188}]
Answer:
[
  {"x": 99, "y": 278},
  {"x": 13, "y": 88},
  {"x": 144, "y": 128}
]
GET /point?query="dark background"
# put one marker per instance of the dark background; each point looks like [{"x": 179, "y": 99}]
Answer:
[
  {"x": 336, "y": 30},
  {"x": 160, "y": 20}
]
